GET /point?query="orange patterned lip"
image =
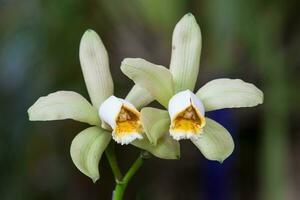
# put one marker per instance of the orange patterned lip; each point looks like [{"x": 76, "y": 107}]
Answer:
[
  {"x": 128, "y": 121},
  {"x": 189, "y": 120}
]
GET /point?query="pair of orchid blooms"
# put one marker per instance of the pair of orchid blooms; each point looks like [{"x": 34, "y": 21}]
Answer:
[{"x": 128, "y": 121}]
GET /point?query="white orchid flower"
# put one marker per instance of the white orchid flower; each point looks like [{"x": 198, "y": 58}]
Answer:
[
  {"x": 186, "y": 111},
  {"x": 115, "y": 113}
]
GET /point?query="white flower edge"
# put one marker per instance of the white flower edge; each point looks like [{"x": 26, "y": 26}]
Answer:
[{"x": 181, "y": 101}]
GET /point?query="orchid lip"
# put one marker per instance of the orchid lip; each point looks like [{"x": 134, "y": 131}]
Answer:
[
  {"x": 123, "y": 118},
  {"x": 187, "y": 116}
]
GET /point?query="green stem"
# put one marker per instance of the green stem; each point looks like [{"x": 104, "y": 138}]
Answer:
[
  {"x": 121, "y": 186},
  {"x": 111, "y": 157}
]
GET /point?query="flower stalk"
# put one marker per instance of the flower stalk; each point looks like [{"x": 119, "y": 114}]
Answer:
[
  {"x": 121, "y": 186},
  {"x": 112, "y": 160},
  {"x": 122, "y": 182}
]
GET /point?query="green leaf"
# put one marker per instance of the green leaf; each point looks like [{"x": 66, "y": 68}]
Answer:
[
  {"x": 186, "y": 50},
  {"x": 154, "y": 78},
  {"x": 166, "y": 147},
  {"x": 63, "y": 105},
  {"x": 229, "y": 93},
  {"x": 156, "y": 123},
  {"x": 87, "y": 148},
  {"x": 216, "y": 142},
  {"x": 139, "y": 97},
  {"x": 95, "y": 68}
]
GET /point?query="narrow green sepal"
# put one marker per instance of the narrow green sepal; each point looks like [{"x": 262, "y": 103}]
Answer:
[{"x": 156, "y": 123}]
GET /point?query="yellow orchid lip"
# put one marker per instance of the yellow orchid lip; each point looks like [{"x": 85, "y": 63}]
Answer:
[
  {"x": 189, "y": 122},
  {"x": 128, "y": 123}
]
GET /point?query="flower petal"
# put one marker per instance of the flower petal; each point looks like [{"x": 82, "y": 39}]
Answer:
[
  {"x": 186, "y": 50},
  {"x": 216, "y": 142},
  {"x": 87, "y": 148},
  {"x": 229, "y": 93},
  {"x": 110, "y": 109},
  {"x": 95, "y": 68},
  {"x": 63, "y": 105},
  {"x": 166, "y": 147},
  {"x": 123, "y": 118},
  {"x": 156, "y": 123},
  {"x": 154, "y": 78},
  {"x": 139, "y": 97}
]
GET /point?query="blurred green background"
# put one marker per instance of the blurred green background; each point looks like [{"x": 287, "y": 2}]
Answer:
[{"x": 257, "y": 41}]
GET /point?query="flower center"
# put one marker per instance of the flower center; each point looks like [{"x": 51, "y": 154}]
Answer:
[
  {"x": 128, "y": 125},
  {"x": 187, "y": 124}
]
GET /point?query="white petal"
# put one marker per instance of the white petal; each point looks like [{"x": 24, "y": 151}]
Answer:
[
  {"x": 229, "y": 93},
  {"x": 63, "y": 105},
  {"x": 183, "y": 100},
  {"x": 186, "y": 49},
  {"x": 109, "y": 112},
  {"x": 87, "y": 149},
  {"x": 156, "y": 79},
  {"x": 139, "y": 97},
  {"x": 95, "y": 68},
  {"x": 216, "y": 143}
]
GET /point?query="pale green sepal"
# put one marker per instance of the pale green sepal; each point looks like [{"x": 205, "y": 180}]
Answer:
[
  {"x": 95, "y": 68},
  {"x": 63, "y": 105},
  {"x": 139, "y": 97},
  {"x": 186, "y": 50},
  {"x": 156, "y": 79},
  {"x": 156, "y": 123},
  {"x": 166, "y": 147},
  {"x": 216, "y": 142},
  {"x": 229, "y": 93},
  {"x": 87, "y": 148}
]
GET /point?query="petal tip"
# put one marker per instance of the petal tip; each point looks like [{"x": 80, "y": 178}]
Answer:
[
  {"x": 89, "y": 32},
  {"x": 189, "y": 15},
  {"x": 95, "y": 179}
]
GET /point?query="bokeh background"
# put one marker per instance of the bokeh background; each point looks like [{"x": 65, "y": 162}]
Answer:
[{"x": 257, "y": 41}]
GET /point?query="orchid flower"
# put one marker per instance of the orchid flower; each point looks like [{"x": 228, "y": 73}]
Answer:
[
  {"x": 117, "y": 117},
  {"x": 173, "y": 88}
]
